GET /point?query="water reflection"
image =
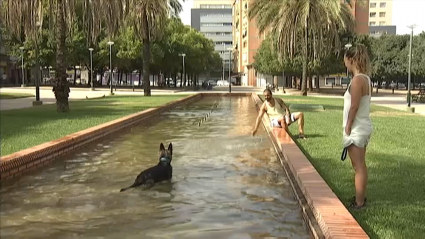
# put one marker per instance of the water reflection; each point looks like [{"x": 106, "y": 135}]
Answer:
[{"x": 225, "y": 184}]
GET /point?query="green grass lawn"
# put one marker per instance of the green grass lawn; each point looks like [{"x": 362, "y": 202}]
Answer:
[
  {"x": 24, "y": 128},
  {"x": 395, "y": 159},
  {"x": 8, "y": 95}
]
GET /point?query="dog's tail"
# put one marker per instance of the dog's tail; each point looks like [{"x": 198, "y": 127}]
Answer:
[{"x": 123, "y": 189}]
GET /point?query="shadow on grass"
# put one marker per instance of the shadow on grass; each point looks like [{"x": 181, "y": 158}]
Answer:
[
  {"x": 309, "y": 136},
  {"x": 334, "y": 107},
  {"x": 24, "y": 128},
  {"x": 395, "y": 192}
]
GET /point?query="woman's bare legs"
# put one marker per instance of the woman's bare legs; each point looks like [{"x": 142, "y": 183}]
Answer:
[{"x": 357, "y": 156}]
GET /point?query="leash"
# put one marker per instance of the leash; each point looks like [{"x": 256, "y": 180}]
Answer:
[{"x": 344, "y": 154}]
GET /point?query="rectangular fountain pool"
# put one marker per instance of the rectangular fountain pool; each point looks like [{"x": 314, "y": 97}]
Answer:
[{"x": 226, "y": 183}]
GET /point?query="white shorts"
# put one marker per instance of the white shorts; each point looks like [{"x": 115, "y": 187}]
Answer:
[{"x": 275, "y": 123}]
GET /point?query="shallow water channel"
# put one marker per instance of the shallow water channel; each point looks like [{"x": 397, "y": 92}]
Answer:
[{"x": 226, "y": 183}]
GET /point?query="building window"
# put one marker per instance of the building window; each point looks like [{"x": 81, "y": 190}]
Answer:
[
  {"x": 382, "y": 23},
  {"x": 215, "y": 15},
  {"x": 216, "y": 24},
  {"x": 383, "y": 4},
  {"x": 382, "y": 14},
  {"x": 372, "y": 24},
  {"x": 223, "y": 42},
  {"x": 372, "y": 4},
  {"x": 218, "y": 33},
  {"x": 372, "y": 14},
  {"x": 218, "y": 6}
]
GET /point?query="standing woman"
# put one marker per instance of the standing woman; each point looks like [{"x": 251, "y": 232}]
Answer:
[{"x": 356, "y": 118}]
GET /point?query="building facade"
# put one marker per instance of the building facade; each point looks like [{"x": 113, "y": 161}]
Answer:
[
  {"x": 380, "y": 18},
  {"x": 214, "y": 20},
  {"x": 246, "y": 38}
]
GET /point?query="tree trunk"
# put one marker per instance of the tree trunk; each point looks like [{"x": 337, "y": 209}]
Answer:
[
  {"x": 304, "y": 75},
  {"x": 310, "y": 83},
  {"x": 317, "y": 83},
  {"x": 146, "y": 59},
  {"x": 75, "y": 75},
  {"x": 140, "y": 77},
  {"x": 61, "y": 89}
]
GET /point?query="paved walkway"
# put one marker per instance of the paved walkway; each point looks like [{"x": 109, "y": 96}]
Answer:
[
  {"x": 48, "y": 97},
  {"x": 384, "y": 98}
]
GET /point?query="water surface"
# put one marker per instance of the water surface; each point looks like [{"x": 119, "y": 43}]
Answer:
[{"x": 226, "y": 184}]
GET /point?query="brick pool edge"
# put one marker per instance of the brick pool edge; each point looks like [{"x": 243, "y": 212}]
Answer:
[
  {"x": 24, "y": 161},
  {"x": 328, "y": 212}
]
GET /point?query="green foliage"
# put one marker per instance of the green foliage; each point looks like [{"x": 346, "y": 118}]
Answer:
[
  {"x": 175, "y": 38},
  {"x": 388, "y": 54}
]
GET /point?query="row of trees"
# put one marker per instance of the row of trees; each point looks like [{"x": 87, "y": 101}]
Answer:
[
  {"x": 63, "y": 30},
  {"x": 388, "y": 53},
  {"x": 126, "y": 53},
  {"x": 307, "y": 38}
]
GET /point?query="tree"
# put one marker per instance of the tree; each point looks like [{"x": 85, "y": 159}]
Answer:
[
  {"x": 25, "y": 19},
  {"x": 148, "y": 17},
  {"x": 314, "y": 24}
]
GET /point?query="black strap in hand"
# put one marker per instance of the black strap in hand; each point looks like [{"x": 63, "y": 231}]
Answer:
[{"x": 344, "y": 154}]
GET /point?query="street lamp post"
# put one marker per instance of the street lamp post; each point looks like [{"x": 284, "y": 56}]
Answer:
[
  {"x": 23, "y": 70},
  {"x": 410, "y": 66},
  {"x": 110, "y": 43},
  {"x": 348, "y": 46},
  {"x": 40, "y": 69},
  {"x": 230, "y": 67},
  {"x": 182, "y": 55},
  {"x": 91, "y": 68},
  {"x": 224, "y": 54}
]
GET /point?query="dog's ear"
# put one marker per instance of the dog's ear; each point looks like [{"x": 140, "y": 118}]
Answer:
[
  {"x": 161, "y": 147},
  {"x": 170, "y": 147}
]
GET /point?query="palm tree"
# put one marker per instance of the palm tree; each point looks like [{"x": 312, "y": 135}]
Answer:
[
  {"x": 148, "y": 17},
  {"x": 312, "y": 27},
  {"x": 24, "y": 19}
]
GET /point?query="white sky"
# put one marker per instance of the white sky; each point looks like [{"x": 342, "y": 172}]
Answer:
[
  {"x": 408, "y": 12},
  {"x": 185, "y": 14},
  {"x": 405, "y": 12}
]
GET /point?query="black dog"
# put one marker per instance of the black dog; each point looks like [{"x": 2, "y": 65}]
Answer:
[{"x": 161, "y": 172}]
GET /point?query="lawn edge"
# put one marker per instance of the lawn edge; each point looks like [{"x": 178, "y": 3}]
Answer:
[{"x": 16, "y": 164}]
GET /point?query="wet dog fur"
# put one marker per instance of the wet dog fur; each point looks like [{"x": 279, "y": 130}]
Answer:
[{"x": 158, "y": 173}]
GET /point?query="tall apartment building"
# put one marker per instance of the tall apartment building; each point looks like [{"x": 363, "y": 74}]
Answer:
[
  {"x": 380, "y": 18},
  {"x": 246, "y": 39},
  {"x": 214, "y": 19}
]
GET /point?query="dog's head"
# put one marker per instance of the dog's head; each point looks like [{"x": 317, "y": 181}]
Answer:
[{"x": 165, "y": 155}]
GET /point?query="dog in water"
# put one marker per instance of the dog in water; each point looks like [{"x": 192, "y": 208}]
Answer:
[{"x": 161, "y": 172}]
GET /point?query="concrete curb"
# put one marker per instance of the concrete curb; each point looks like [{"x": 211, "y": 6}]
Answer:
[
  {"x": 16, "y": 164},
  {"x": 325, "y": 214}
]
